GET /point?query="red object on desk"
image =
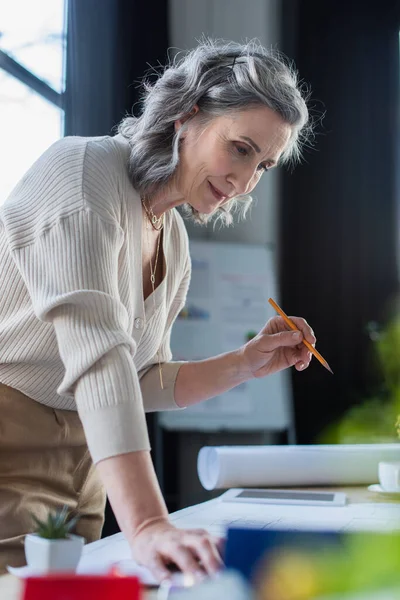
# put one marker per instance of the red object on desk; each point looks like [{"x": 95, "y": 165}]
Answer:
[{"x": 82, "y": 587}]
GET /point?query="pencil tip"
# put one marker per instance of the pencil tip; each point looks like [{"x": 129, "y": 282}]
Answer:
[{"x": 329, "y": 369}]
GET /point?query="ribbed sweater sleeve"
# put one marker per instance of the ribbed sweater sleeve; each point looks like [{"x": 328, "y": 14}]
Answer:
[{"x": 68, "y": 259}]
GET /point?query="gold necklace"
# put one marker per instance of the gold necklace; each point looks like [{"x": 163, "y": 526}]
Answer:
[
  {"x": 153, "y": 282},
  {"x": 157, "y": 222}
]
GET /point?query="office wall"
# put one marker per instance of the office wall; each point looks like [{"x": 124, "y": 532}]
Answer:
[{"x": 235, "y": 20}]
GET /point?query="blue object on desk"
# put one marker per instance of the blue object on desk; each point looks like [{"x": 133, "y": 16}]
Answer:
[{"x": 245, "y": 548}]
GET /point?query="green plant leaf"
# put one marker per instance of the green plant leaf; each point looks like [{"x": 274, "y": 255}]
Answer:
[
  {"x": 61, "y": 517},
  {"x": 71, "y": 524},
  {"x": 56, "y": 526},
  {"x": 37, "y": 521}
]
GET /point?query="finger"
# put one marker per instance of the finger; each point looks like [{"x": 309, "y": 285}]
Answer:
[
  {"x": 206, "y": 552},
  {"x": 220, "y": 543},
  {"x": 278, "y": 340},
  {"x": 159, "y": 570},
  {"x": 304, "y": 355},
  {"x": 304, "y": 361},
  {"x": 305, "y": 328},
  {"x": 184, "y": 559}
]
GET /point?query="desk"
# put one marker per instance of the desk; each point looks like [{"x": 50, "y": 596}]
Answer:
[{"x": 10, "y": 587}]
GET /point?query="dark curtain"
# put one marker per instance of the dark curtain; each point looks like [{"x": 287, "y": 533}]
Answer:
[
  {"x": 110, "y": 46},
  {"x": 339, "y": 225}
]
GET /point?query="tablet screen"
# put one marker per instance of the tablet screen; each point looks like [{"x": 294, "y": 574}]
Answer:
[{"x": 286, "y": 495}]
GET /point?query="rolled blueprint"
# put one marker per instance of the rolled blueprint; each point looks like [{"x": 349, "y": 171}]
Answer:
[{"x": 223, "y": 467}]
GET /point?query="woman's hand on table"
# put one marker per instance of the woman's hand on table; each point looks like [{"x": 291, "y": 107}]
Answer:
[
  {"x": 276, "y": 347},
  {"x": 193, "y": 551}
]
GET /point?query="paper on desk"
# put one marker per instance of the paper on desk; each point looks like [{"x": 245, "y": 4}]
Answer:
[
  {"x": 112, "y": 551},
  {"x": 224, "y": 467},
  {"x": 216, "y": 516}
]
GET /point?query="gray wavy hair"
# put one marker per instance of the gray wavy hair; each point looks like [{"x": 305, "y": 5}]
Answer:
[{"x": 220, "y": 78}]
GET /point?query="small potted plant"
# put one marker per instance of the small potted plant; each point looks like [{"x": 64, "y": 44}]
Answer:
[{"x": 52, "y": 547}]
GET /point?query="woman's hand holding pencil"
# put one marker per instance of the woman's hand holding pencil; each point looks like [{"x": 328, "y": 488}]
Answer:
[
  {"x": 292, "y": 325},
  {"x": 283, "y": 342}
]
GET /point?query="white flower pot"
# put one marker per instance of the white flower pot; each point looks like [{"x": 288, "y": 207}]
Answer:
[{"x": 49, "y": 556}]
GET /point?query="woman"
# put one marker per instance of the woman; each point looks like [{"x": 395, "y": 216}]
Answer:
[{"x": 95, "y": 269}]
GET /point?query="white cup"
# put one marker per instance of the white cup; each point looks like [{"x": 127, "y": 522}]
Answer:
[{"x": 389, "y": 475}]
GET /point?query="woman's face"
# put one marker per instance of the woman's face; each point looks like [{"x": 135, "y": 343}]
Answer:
[{"x": 227, "y": 156}]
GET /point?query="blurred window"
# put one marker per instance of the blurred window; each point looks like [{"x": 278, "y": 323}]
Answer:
[{"x": 32, "y": 81}]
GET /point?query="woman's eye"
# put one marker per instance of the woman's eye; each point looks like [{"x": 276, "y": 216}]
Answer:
[
  {"x": 246, "y": 152},
  {"x": 241, "y": 150}
]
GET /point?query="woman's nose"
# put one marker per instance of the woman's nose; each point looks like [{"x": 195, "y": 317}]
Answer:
[{"x": 243, "y": 181}]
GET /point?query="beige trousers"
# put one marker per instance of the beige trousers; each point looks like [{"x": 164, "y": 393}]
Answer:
[{"x": 44, "y": 464}]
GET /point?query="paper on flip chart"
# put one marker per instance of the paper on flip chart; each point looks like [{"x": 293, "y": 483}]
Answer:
[{"x": 223, "y": 467}]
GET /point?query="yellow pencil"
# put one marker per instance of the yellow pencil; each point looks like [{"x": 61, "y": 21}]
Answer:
[{"x": 293, "y": 326}]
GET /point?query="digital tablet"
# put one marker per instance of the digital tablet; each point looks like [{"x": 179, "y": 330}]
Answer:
[{"x": 285, "y": 496}]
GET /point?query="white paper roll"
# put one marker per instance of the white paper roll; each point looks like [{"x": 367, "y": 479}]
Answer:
[{"x": 222, "y": 467}]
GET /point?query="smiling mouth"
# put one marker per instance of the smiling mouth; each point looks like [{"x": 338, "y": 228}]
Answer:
[{"x": 218, "y": 195}]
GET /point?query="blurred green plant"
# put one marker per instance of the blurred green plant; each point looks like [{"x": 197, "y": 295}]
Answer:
[
  {"x": 363, "y": 562},
  {"x": 377, "y": 418},
  {"x": 58, "y": 526}
]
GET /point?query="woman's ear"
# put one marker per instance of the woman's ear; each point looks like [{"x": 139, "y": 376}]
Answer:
[{"x": 178, "y": 124}]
